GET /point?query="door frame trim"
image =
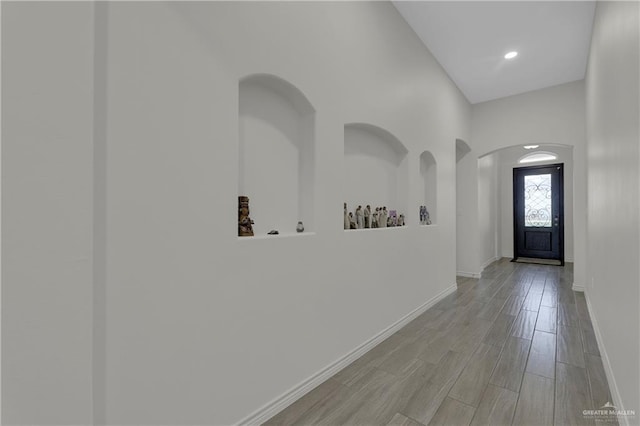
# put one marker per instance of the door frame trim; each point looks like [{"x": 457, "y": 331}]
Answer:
[{"x": 560, "y": 207}]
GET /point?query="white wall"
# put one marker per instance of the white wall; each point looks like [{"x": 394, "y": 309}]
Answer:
[
  {"x": 204, "y": 328},
  {"x": 201, "y": 327},
  {"x": 47, "y": 178},
  {"x": 508, "y": 159},
  {"x": 468, "y": 261},
  {"x": 614, "y": 222},
  {"x": 488, "y": 198},
  {"x": 548, "y": 116}
]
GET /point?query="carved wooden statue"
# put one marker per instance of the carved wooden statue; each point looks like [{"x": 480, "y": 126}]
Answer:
[{"x": 244, "y": 221}]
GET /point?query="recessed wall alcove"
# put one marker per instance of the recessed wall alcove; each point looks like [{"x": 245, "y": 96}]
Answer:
[
  {"x": 429, "y": 178},
  {"x": 375, "y": 169},
  {"x": 276, "y": 154}
]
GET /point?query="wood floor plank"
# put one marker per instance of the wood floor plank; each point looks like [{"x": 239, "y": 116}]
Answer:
[
  {"x": 422, "y": 406},
  {"x": 470, "y": 312},
  {"x": 581, "y": 306},
  {"x": 512, "y": 305},
  {"x": 437, "y": 348},
  {"x": 474, "y": 378},
  {"x": 452, "y": 412},
  {"x": 496, "y": 407},
  {"x": 379, "y": 401},
  {"x": 510, "y": 368},
  {"x": 600, "y": 393},
  {"x": 403, "y": 361},
  {"x": 570, "y": 346},
  {"x": 418, "y": 325},
  {"x": 326, "y": 407},
  {"x": 471, "y": 336},
  {"x": 567, "y": 314},
  {"x": 590, "y": 343},
  {"x": 586, "y": 324},
  {"x": 353, "y": 372},
  {"x": 374, "y": 357},
  {"x": 296, "y": 410},
  {"x": 565, "y": 295},
  {"x": 402, "y": 420},
  {"x": 500, "y": 329},
  {"x": 521, "y": 289},
  {"x": 525, "y": 324},
  {"x": 505, "y": 292},
  {"x": 547, "y": 318},
  {"x": 376, "y": 399},
  {"x": 535, "y": 403},
  {"x": 491, "y": 310},
  {"x": 532, "y": 302},
  {"x": 449, "y": 367},
  {"x": 572, "y": 395},
  {"x": 549, "y": 298},
  {"x": 442, "y": 321},
  {"x": 542, "y": 356}
]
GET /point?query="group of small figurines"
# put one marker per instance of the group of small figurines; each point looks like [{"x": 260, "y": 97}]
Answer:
[
  {"x": 424, "y": 216},
  {"x": 364, "y": 218}
]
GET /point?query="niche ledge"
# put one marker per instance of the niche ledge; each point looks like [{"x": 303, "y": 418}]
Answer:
[{"x": 280, "y": 236}]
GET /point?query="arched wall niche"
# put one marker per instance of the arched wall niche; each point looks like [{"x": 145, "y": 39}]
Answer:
[
  {"x": 375, "y": 169},
  {"x": 276, "y": 154},
  {"x": 429, "y": 175}
]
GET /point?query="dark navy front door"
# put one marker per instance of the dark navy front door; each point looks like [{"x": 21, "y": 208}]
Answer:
[{"x": 538, "y": 212}]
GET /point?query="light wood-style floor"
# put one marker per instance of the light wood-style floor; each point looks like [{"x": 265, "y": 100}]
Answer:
[{"x": 515, "y": 347}]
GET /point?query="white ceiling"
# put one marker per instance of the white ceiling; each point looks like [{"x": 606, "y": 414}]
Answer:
[{"x": 469, "y": 39}]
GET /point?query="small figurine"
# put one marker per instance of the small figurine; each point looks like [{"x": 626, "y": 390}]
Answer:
[
  {"x": 385, "y": 217},
  {"x": 300, "y": 227},
  {"x": 427, "y": 219},
  {"x": 352, "y": 221},
  {"x": 367, "y": 216},
  {"x": 347, "y": 224},
  {"x": 401, "y": 220},
  {"x": 374, "y": 219},
  {"x": 359, "y": 218},
  {"x": 244, "y": 221}
]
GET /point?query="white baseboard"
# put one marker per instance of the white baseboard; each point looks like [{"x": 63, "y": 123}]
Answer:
[
  {"x": 489, "y": 262},
  {"x": 577, "y": 287},
  {"x": 289, "y": 397},
  {"x": 468, "y": 274},
  {"x": 477, "y": 274},
  {"x": 613, "y": 386}
]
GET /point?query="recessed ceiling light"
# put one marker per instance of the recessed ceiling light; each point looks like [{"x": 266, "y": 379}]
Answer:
[
  {"x": 511, "y": 55},
  {"x": 531, "y": 146}
]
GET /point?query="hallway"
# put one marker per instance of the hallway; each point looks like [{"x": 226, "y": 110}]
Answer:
[{"x": 514, "y": 347}]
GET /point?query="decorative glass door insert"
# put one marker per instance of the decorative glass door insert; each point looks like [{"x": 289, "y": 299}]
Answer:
[{"x": 537, "y": 200}]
